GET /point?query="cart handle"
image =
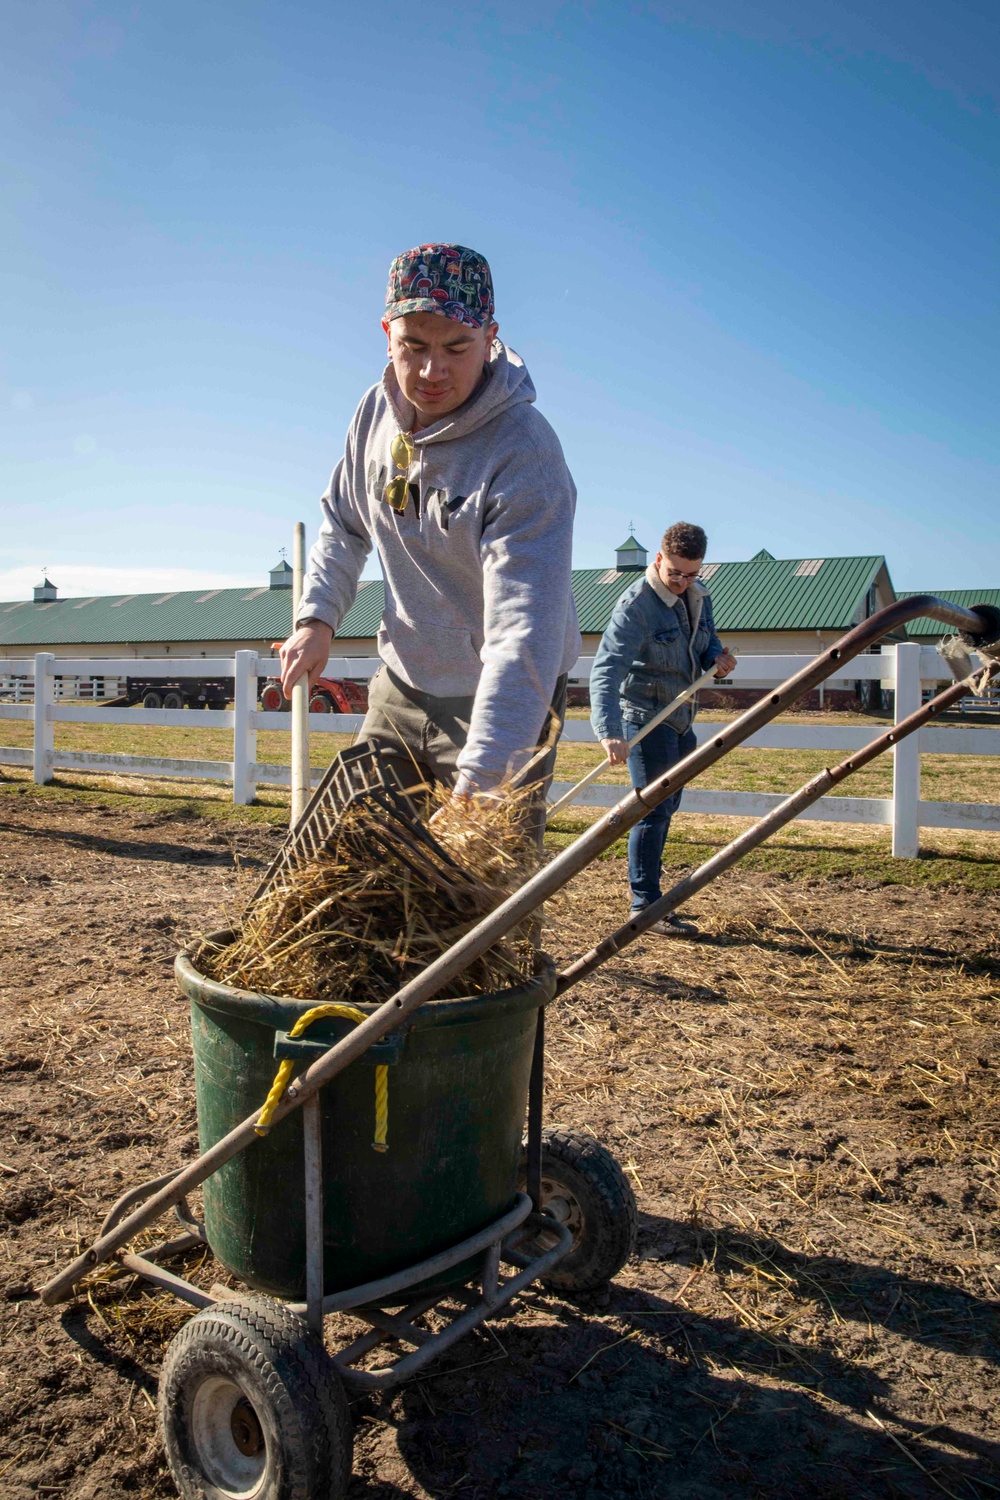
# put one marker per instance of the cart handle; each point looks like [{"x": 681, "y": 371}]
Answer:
[{"x": 778, "y": 817}]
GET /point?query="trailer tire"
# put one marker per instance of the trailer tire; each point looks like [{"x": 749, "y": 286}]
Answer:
[
  {"x": 152, "y": 700},
  {"x": 585, "y": 1189},
  {"x": 173, "y": 700},
  {"x": 249, "y": 1402}
]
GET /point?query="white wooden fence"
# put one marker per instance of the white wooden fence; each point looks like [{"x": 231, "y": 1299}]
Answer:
[{"x": 905, "y": 668}]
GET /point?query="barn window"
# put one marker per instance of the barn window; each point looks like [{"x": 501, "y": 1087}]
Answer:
[{"x": 809, "y": 568}]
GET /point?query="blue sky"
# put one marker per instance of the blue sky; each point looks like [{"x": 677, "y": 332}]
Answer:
[{"x": 748, "y": 252}]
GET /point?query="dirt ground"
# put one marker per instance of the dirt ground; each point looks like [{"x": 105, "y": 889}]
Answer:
[{"x": 805, "y": 1099}]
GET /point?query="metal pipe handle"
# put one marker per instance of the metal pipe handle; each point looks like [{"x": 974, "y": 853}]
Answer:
[{"x": 751, "y": 838}]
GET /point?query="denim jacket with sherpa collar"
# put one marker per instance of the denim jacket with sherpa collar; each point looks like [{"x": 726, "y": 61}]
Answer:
[{"x": 646, "y": 657}]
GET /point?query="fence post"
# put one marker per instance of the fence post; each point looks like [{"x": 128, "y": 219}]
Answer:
[
  {"x": 244, "y": 734},
  {"x": 906, "y": 757},
  {"x": 45, "y": 684}
]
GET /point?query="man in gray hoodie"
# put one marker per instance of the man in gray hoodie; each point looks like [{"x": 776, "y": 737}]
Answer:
[{"x": 461, "y": 484}]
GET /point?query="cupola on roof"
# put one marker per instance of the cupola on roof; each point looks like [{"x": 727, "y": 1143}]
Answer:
[{"x": 631, "y": 556}]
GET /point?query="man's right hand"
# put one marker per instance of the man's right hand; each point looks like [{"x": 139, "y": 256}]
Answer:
[
  {"x": 307, "y": 650},
  {"x": 616, "y": 751}
]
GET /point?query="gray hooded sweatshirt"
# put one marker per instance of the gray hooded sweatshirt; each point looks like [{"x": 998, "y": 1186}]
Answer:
[{"x": 477, "y": 566}]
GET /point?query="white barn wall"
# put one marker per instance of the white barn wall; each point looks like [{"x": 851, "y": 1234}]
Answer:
[{"x": 361, "y": 646}]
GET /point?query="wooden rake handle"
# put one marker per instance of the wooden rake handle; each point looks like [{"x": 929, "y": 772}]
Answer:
[{"x": 664, "y": 713}]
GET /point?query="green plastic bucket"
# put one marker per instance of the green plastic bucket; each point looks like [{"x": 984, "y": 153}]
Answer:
[{"x": 458, "y": 1084}]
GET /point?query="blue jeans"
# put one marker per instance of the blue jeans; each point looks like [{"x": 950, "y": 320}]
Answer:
[{"x": 660, "y": 750}]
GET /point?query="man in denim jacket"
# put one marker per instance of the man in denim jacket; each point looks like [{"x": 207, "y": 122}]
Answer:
[{"x": 659, "y": 639}]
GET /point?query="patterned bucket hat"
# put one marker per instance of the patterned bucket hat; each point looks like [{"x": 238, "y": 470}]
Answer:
[{"x": 447, "y": 279}]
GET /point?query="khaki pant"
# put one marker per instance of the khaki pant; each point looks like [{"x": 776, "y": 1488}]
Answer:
[{"x": 421, "y": 736}]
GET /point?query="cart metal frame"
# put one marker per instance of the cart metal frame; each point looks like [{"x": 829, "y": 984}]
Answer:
[
  {"x": 497, "y": 1242},
  {"x": 514, "y": 1238}
]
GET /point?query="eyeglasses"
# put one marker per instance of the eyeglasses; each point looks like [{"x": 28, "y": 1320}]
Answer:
[
  {"x": 397, "y": 490},
  {"x": 676, "y": 573}
]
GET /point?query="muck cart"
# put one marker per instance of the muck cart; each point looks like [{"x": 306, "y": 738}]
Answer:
[{"x": 426, "y": 1197}]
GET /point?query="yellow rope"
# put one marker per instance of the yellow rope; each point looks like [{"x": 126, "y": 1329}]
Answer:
[
  {"x": 273, "y": 1099},
  {"x": 285, "y": 1069},
  {"x": 381, "y": 1107}
]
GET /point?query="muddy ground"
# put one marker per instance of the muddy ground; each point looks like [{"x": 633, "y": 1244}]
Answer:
[{"x": 805, "y": 1099}]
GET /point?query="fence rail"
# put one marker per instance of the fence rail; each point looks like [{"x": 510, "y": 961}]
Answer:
[{"x": 906, "y": 668}]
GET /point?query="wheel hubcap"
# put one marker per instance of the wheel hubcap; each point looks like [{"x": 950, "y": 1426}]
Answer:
[
  {"x": 246, "y": 1429},
  {"x": 228, "y": 1439},
  {"x": 558, "y": 1201}
]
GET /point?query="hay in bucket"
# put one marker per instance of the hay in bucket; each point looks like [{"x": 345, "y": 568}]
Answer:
[{"x": 357, "y": 923}]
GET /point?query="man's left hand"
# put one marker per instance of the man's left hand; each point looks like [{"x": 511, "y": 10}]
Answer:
[
  {"x": 725, "y": 664},
  {"x": 437, "y": 816}
]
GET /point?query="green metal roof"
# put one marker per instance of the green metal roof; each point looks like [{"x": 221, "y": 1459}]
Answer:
[
  {"x": 769, "y": 593},
  {"x": 762, "y": 594},
  {"x": 765, "y": 593},
  {"x": 933, "y": 629},
  {"x": 190, "y": 615},
  {"x": 597, "y": 591},
  {"x": 365, "y": 615}
]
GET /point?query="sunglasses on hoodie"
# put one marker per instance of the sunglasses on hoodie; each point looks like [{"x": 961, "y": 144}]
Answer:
[{"x": 397, "y": 489}]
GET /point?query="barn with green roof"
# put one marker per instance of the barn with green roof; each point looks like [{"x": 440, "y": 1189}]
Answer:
[
  {"x": 766, "y": 605},
  {"x": 762, "y": 605}
]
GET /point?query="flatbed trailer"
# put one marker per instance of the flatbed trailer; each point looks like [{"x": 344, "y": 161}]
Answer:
[{"x": 177, "y": 692}]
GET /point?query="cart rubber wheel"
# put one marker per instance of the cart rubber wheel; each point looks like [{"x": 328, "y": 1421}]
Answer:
[
  {"x": 173, "y": 700},
  {"x": 251, "y": 1406},
  {"x": 586, "y": 1190},
  {"x": 152, "y": 700}
]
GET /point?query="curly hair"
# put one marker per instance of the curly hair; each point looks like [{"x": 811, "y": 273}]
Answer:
[{"x": 685, "y": 540}]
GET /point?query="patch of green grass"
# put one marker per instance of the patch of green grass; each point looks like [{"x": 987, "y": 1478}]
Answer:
[
  {"x": 819, "y": 851},
  {"x": 157, "y": 800},
  {"x": 273, "y": 745},
  {"x": 803, "y": 851},
  {"x": 944, "y": 778}
]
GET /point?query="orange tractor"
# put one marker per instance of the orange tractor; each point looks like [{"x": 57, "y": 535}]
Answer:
[{"x": 330, "y": 695}]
